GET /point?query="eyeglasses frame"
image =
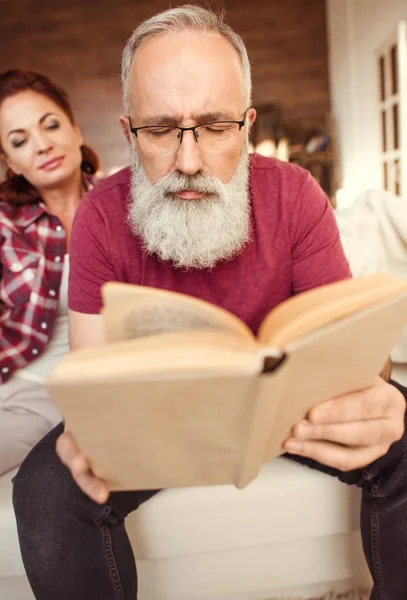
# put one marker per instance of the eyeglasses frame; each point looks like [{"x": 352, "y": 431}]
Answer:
[{"x": 134, "y": 130}]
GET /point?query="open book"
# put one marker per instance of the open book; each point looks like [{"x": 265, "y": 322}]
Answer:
[{"x": 184, "y": 394}]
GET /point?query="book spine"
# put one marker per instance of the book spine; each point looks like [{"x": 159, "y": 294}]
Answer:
[{"x": 268, "y": 393}]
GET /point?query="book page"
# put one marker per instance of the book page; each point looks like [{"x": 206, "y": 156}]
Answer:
[
  {"x": 164, "y": 356},
  {"x": 313, "y": 310},
  {"x": 132, "y": 311}
]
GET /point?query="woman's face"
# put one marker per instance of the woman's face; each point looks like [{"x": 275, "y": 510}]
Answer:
[{"x": 38, "y": 140}]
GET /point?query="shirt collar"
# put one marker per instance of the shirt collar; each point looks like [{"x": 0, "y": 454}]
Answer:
[{"x": 28, "y": 213}]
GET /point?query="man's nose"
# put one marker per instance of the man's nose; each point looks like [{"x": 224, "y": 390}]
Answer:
[{"x": 189, "y": 155}]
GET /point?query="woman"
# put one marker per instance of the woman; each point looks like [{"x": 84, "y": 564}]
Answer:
[{"x": 48, "y": 169}]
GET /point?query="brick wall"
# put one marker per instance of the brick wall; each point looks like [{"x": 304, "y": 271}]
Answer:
[{"x": 79, "y": 44}]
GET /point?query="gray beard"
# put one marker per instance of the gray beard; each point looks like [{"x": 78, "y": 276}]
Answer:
[{"x": 193, "y": 234}]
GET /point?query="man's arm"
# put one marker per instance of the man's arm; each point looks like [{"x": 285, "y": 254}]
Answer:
[
  {"x": 317, "y": 254},
  {"x": 85, "y": 330},
  {"x": 90, "y": 267}
]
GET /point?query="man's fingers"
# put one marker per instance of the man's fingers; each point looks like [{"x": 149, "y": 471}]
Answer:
[
  {"x": 67, "y": 448},
  {"x": 365, "y": 433},
  {"x": 336, "y": 456},
  {"x": 79, "y": 466},
  {"x": 352, "y": 430},
  {"x": 379, "y": 401},
  {"x": 93, "y": 487}
]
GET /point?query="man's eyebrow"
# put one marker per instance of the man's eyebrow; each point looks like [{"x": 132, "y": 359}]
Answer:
[
  {"x": 168, "y": 120},
  {"x": 209, "y": 117},
  {"x": 23, "y": 130},
  {"x": 171, "y": 121}
]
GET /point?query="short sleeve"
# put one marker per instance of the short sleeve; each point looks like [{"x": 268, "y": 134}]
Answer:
[
  {"x": 317, "y": 254},
  {"x": 90, "y": 264}
]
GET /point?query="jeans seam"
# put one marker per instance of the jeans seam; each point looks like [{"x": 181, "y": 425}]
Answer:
[
  {"x": 108, "y": 550},
  {"x": 375, "y": 543}
]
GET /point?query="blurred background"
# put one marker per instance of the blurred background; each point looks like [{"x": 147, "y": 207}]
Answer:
[{"x": 326, "y": 77}]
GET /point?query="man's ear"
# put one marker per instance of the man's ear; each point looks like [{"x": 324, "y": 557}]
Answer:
[
  {"x": 124, "y": 122},
  {"x": 251, "y": 115}
]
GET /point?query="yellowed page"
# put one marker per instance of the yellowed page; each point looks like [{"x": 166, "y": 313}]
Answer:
[
  {"x": 189, "y": 353},
  {"x": 132, "y": 311},
  {"x": 312, "y": 310}
]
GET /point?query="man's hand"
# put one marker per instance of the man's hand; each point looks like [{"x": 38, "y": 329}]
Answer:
[
  {"x": 85, "y": 330},
  {"x": 72, "y": 457},
  {"x": 351, "y": 431}
]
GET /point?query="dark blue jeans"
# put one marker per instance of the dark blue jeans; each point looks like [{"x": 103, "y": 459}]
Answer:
[{"x": 75, "y": 549}]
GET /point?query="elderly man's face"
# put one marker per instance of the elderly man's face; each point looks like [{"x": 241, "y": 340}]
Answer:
[
  {"x": 185, "y": 78},
  {"x": 190, "y": 201}
]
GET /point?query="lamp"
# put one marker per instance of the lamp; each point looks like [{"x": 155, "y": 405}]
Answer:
[{"x": 268, "y": 132}]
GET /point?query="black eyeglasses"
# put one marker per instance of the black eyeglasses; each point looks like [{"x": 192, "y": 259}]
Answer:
[{"x": 214, "y": 136}]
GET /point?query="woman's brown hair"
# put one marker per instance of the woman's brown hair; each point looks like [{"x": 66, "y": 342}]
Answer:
[{"x": 15, "y": 189}]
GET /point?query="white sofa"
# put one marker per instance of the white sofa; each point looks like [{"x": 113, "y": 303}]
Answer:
[
  {"x": 291, "y": 532},
  {"x": 374, "y": 236}
]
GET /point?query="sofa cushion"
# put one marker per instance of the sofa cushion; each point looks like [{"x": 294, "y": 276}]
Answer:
[
  {"x": 285, "y": 502},
  {"x": 11, "y": 563},
  {"x": 291, "y": 526}
]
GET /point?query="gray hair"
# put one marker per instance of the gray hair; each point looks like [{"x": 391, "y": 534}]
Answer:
[{"x": 178, "y": 19}]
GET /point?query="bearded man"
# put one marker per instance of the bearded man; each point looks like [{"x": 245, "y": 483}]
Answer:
[{"x": 196, "y": 214}]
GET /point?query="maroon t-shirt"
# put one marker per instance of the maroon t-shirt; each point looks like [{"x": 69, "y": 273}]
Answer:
[{"x": 294, "y": 247}]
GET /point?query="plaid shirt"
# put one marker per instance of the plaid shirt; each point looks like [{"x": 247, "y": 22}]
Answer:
[{"x": 32, "y": 249}]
